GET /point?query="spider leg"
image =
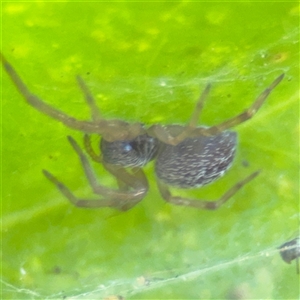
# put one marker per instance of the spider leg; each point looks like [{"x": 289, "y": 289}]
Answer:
[
  {"x": 137, "y": 182},
  {"x": 112, "y": 129},
  {"x": 73, "y": 199},
  {"x": 203, "y": 204},
  {"x": 47, "y": 109},
  {"x": 119, "y": 199},
  {"x": 163, "y": 135},
  {"x": 95, "y": 113},
  {"x": 89, "y": 149},
  {"x": 122, "y": 199},
  {"x": 199, "y": 106},
  {"x": 246, "y": 115},
  {"x": 98, "y": 158},
  {"x": 191, "y": 130}
]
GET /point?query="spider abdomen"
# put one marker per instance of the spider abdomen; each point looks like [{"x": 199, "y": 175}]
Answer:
[{"x": 196, "y": 161}]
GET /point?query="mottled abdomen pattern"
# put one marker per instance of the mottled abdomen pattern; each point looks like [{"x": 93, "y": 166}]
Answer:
[{"x": 196, "y": 161}]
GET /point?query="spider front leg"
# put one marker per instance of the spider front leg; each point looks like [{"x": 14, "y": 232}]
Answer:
[
  {"x": 120, "y": 199},
  {"x": 203, "y": 204},
  {"x": 95, "y": 113},
  {"x": 111, "y": 129},
  {"x": 43, "y": 107}
]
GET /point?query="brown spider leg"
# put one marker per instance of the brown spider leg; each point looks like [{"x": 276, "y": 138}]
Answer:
[
  {"x": 89, "y": 149},
  {"x": 112, "y": 129},
  {"x": 119, "y": 199},
  {"x": 137, "y": 181},
  {"x": 160, "y": 132},
  {"x": 163, "y": 135},
  {"x": 199, "y": 106},
  {"x": 95, "y": 113},
  {"x": 37, "y": 103},
  {"x": 244, "y": 116},
  {"x": 73, "y": 199},
  {"x": 123, "y": 203},
  {"x": 98, "y": 158},
  {"x": 126, "y": 180},
  {"x": 203, "y": 204}
]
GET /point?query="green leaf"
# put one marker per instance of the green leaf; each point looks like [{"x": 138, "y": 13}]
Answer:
[{"x": 148, "y": 62}]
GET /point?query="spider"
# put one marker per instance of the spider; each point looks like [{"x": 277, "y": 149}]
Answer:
[{"x": 185, "y": 156}]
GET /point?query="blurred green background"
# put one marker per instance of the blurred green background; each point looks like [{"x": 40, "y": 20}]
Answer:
[{"x": 147, "y": 62}]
